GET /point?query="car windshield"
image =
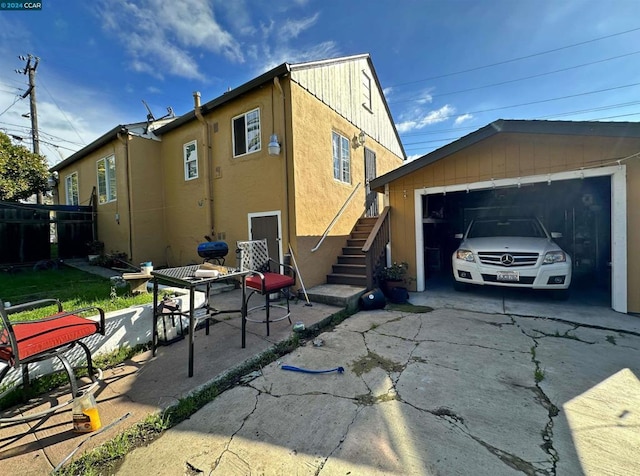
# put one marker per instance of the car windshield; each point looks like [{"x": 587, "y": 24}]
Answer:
[{"x": 520, "y": 227}]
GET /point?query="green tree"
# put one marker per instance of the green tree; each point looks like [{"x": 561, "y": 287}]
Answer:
[{"x": 22, "y": 173}]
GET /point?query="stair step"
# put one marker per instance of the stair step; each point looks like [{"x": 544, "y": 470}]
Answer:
[
  {"x": 351, "y": 279},
  {"x": 356, "y": 242},
  {"x": 355, "y": 269},
  {"x": 352, "y": 259},
  {"x": 352, "y": 250},
  {"x": 363, "y": 227},
  {"x": 351, "y": 267}
]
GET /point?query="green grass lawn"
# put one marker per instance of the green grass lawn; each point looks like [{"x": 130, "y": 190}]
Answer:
[{"x": 75, "y": 288}]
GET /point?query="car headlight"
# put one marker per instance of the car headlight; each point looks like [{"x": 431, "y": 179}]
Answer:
[
  {"x": 465, "y": 255},
  {"x": 554, "y": 257}
]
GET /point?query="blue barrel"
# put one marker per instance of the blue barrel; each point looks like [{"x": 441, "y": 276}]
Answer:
[{"x": 213, "y": 249}]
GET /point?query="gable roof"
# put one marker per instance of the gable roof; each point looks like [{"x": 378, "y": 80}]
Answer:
[
  {"x": 580, "y": 128},
  {"x": 279, "y": 71}
]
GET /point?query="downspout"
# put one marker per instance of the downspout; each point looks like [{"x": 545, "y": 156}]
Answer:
[
  {"x": 276, "y": 82},
  {"x": 123, "y": 136},
  {"x": 209, "y": 161}
]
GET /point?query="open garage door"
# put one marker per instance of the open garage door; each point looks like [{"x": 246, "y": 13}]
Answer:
[{"x": 587, "y": 208}]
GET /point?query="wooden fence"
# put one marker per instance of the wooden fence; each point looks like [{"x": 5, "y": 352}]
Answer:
[{"x": 29, "y": 232}]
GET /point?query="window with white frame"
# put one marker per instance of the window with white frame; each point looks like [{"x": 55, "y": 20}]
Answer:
[
  {"x": 71, "y": 189},
  {"x": 246, "y": 133},
  {"x": 341, "y": 158},
  {"x": 107, "y": 180},
  {"x": 366, "y": 91},
  {"x": 190, "y": 151}
]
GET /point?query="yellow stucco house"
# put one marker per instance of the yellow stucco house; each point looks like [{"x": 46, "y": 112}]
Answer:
[
  {"x": 288, "y": 156},
  {"x": 581, "y": 178}
]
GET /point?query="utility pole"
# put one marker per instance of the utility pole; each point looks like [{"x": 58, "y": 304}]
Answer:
[{"x": 30, "y": 69}]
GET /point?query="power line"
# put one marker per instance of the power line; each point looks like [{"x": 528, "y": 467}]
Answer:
[
  {"x": 568, "y": 113},
  {"x": 51, "y": 136},
  {"x": 512, "y": 60},
  {"x": 408, "y": 145},
  {"x": 11, "y": 105},
  {"x": 562, "y": 70},
  {"x": 28, "y": 139},
  {"x": 569, "y": 96},
  {"x": 65, "y": 116}
]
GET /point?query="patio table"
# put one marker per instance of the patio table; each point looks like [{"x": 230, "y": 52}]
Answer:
[{"x": 184, "y": 277}]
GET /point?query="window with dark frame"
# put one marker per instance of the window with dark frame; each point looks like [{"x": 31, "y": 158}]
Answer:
[
  {"x": 246, "y": 133},
  {"x": 366, "y": 91}
]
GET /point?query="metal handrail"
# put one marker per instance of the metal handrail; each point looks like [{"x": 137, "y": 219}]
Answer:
[{"x": 335, "y": 219}]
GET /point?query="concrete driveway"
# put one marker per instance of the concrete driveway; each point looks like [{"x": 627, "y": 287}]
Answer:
[{"x": 480, "y": 385}]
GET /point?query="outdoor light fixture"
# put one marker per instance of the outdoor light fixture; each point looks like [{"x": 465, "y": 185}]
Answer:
[
  {"x": 274, "y": 145},
  {"x": 52, "y": 181},
  {"x": 358, "y": 140}
]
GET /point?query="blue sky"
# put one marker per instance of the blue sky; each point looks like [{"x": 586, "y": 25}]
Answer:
[{"x": 448, "y": 67}]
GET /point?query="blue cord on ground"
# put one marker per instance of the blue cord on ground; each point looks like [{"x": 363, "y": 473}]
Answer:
[{"x": 299, "y": 369}]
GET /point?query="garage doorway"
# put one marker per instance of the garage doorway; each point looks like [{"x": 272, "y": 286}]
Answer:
[{"x": 588, "y": 207}]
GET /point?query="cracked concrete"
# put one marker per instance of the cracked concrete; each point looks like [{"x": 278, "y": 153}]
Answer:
[{"x": 450, "y": 391}]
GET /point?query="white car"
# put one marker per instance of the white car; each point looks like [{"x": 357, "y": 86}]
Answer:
[{"x": 513, "y": 252}]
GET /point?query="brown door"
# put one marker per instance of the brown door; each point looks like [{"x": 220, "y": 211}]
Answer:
[
  {"x": 371, "y": 203},
  {"x": 266, "y": 226}
]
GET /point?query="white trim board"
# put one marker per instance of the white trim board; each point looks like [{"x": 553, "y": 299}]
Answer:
[
  {"x": 275, "y": 213},
  {"x": 618, "y": 174}
]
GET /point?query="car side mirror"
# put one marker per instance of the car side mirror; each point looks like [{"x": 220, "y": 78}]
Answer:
[
  {"x": 556, "y": 234},
  {"x": 458, "y": 236}
]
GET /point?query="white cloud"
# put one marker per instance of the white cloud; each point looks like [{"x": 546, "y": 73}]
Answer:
[
  {"x": 293, "y": 28},
  {"x": 158, "y": 34},
  {"x": 463, "y": 118},
  {"x": 69, "y": 116},
  {"x": 327, "y": 49},
  {"x": 419, "y": 119},
  {"x": 425, "y": 97}
]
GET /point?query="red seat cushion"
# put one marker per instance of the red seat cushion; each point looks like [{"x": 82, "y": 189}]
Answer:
[
  {"x": 36, "y": 337},
  {"x": 272, "y": 282}
]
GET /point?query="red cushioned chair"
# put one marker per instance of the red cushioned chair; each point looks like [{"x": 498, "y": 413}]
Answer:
[
  {"x": 267, "y": 277},
  {"x": 23, "y": 343}
]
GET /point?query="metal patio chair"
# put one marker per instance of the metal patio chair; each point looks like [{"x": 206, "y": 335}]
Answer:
[
  {"x": 267, "y": 277},
  {"x": 26, "y": 342}
]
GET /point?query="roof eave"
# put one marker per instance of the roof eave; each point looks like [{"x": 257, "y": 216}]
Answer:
[
  {"x": 95, "y": 145},
  {"x": 594, "y": 128},
  {"x": 281, "y": 70}
]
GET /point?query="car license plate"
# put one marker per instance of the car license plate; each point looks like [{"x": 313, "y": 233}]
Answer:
[{"x": 509, "y": 276}]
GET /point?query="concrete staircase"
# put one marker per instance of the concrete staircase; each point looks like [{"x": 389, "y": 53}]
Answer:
[{"x": 350, "y": 268}]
